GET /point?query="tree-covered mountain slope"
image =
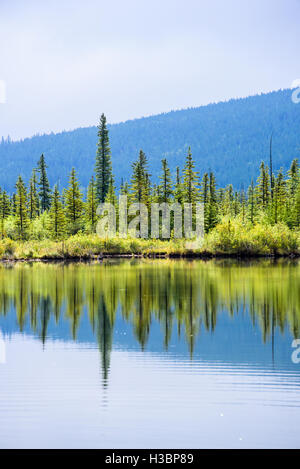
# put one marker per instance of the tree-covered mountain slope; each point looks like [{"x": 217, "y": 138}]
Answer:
[{"x": 231, "y": 138}]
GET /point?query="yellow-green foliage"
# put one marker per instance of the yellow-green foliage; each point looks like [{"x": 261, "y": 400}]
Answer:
[
  {"x": 234, "y": 237},
  {"x": 227, "y": 238}
]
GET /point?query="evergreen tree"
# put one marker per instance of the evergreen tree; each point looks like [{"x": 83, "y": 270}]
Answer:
[
  {"x": 44, "y": 187},
  {"x": 204, "y": 198},
  {"x": 252, "y": 207},
  {"x": 74, "y": 204},
  {"x": 124, "y": 190},
  {"x": 279, "y": 199},
  {"x": 13, "y": 206},
  {"x": 91, "y": 205},
  {"x": 57, "y": 220},
  {"x": 229, "y": 201},
  {"x": 111, "y": 197},
  {"x": 21, "y": 209},
  {"x": 243, "y": 205},
  {"x": 103, "y": 168},
  {"x": 33, "y": 198},
  {"x": 236, "y": 204},
  {"x": 140, "y": 180},
  {"x": 4, "y": 210},
  {"x": 166, "y": 187},
  {"x": 293, "y": 179},
  {"x": 178, "y": 190},
  {"x": 263, "y": 187},
  {"x": 212, "y": 209},
  {"x": 190, "y": 180}
]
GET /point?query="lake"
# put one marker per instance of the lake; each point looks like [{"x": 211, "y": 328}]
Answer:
[{"x": 150, "y": 354}]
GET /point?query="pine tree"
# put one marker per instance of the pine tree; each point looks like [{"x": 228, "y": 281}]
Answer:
[
  {"x": 124, "y": 190},
  {"x": 111, "y": 197},
  {"x": 44, "y": 187},
  {"x": 236, "y": 204},
  {"x": 166, "y": 187},
  {"x": 293, "y": 185},
  {"x": 103, "y": 168},
  {"x": 243, "y": 205},
  {"x": 204, "y": 198},
  {"x": 212, "y": 209},
  {"x": 190, "y": 180},
  {"x": 33, "y": 198},
  {"x": 148, "y": 190},
  {"x": 178, "y": 190},
  {"x": 293, "y": 179},
  {"x": 21, "y": 209},
  {"x": 74, "y": 204},
  {"x": 252, "y": 205},
  {"x": 263, "y": 187},
  {"x": 296, "y": 209},
  {"x": 279, "y": 199},
  {"x": 140, "y": 180},
  {"x": 4, "y": 210},
  {"x": 57, "y": 220},
  {"x": 91, "y": 205},
  {"x": 13, "y": 206},
  {"x": 229, "y": 201}
]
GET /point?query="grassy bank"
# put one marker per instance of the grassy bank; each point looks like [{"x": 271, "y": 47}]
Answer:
[{"x": 227, "y": 239}]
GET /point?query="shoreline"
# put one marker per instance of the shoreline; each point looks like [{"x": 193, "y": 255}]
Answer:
[{"x": 150, "y": 256}]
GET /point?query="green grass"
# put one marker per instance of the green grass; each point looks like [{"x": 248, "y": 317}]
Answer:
[{"x": 227, "y": 239}]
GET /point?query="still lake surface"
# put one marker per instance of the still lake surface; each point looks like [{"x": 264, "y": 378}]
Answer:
[{"x": 150, "y": 354}]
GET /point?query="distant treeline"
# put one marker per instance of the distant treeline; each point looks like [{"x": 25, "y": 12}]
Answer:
[
  {"x": 224, "y": 136},
  {"x": 35, "y": 211}
]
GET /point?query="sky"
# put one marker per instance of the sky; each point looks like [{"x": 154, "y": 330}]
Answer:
[{"x": 64, "y": 62}]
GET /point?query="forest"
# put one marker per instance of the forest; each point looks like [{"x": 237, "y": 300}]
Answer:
[
  {"x": 37, "y": 221},
  {"x": 230, "y": 137}
]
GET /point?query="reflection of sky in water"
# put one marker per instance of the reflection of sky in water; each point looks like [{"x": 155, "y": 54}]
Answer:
[{"x": 55, "y": 396}]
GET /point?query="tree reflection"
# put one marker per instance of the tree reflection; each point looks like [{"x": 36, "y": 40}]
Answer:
[{"x": 181, "y": 296}]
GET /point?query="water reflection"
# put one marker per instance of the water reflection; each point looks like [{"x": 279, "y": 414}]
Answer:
[
  {"x": 189, "y": 295},
  {"x": 180, "y": 343}
]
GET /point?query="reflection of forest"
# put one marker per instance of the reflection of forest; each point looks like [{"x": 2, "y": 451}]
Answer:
[{"x": 188, "y": 294}]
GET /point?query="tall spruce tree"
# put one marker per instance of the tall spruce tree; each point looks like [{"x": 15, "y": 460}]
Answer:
[
  {"x": 43, "y": 183},
  {"x": 103, "y": 168},
  {"x": 4, "y": 210},
  {"x": 252, "y": 203},
  {"x": 178, "y": 190},
  {"x": 212, "y": 209},
  {"x": 33, "y": 198},
  {"x": 190, "y": 180},
  {"x": 166, "y": 186},
  {"x": 140, "y": 180},
  {"x": 91, "y": 205},
  {"x": 57, "y": 219},
  {"x": 111, "y": 197},
  {"x": 263, "y": 187},
  {"x": 73, "y": 204},
  {"x": 21, "y": 209},
  {"x": 279, "y": 199}
]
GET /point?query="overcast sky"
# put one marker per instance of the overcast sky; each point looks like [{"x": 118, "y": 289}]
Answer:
[{"x": 66, "y": 61}]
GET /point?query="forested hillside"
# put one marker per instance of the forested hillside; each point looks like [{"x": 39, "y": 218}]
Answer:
[{"x": 228, "y": 138}]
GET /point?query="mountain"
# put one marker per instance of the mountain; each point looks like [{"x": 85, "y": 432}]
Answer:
[{"x": 231, "y": 138}]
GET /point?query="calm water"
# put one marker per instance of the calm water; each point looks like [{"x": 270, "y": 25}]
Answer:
[{"x": 165, "y": 354}]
